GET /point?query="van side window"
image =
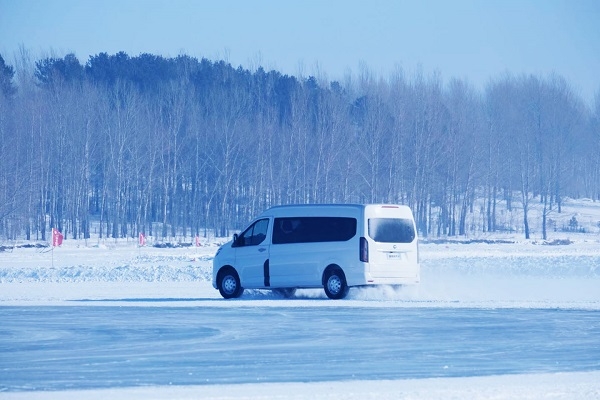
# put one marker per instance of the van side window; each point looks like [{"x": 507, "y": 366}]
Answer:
[
  {"x": 391, "y": 230},
  {"x": 313, "y": 229},
  {"x": 254, "y": 235}
]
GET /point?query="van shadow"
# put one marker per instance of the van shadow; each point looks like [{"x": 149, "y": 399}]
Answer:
[
  {"x": 249, "y": 295},
  {"x": 144, "y": 300}
]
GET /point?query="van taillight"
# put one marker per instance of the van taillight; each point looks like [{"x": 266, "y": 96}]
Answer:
[{"x": 364, "y": 250}]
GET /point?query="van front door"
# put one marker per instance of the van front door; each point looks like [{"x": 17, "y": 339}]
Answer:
[{"x": 252, "y": 254}]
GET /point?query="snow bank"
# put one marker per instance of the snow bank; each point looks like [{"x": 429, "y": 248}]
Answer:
[
  {"x": 495, "y": 274},
  {"x": 561, "y": 386}
]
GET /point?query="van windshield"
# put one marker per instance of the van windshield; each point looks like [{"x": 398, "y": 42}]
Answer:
[{"x": 391, "y": 230}]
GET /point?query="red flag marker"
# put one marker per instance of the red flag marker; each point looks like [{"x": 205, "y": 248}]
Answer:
[{"x": 57, "y": 237}]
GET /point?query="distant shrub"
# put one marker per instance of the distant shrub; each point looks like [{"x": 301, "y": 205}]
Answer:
[
  {"x": 169, "y": 245},
  {"x": 573, "y": 223},
  {"x": 467, "y": 241},
  {"x": 574, "y": 226},
  {"x": 558, "y": 242}
]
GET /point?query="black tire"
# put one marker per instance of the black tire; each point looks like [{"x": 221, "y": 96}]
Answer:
[
  {"x": 335, "y": 285},
  {"x": 228, "y": 282},
  {"x": 285, "y": 292}
]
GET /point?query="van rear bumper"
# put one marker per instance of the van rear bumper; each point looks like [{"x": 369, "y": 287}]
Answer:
[
  {"x": 366, "y": 279},
  {"x": 411, "y": 280}
]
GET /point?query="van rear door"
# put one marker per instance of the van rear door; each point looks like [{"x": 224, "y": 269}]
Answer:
[{"x": 393, "y": 251}]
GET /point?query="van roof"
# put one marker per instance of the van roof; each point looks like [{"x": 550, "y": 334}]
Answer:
[{"x": 283, "y": 209}]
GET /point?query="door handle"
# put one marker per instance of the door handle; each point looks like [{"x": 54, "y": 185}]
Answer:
[{"x": 262, "y": 249}]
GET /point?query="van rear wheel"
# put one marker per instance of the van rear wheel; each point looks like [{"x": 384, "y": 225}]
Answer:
[
  {"x": 229, "y": 284},
  {"x": 335, "y": 284}
]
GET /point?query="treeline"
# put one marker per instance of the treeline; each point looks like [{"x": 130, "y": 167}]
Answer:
[{"x": 181, "y": 146}]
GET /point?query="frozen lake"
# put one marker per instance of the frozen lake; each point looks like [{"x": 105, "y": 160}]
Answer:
[{"x": 509, "y": 320}]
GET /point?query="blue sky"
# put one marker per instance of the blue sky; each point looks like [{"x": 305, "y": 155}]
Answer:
[{"x": 470, "y": 39}]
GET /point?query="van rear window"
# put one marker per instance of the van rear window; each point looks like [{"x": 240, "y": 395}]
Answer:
[
  {"x": 391, "y": 230},
  {"x": 313, "y": 229}
]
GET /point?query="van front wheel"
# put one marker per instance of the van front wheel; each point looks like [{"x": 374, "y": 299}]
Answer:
[
  {"x": 229, "y": 284},
  {"x": 335, "y": 284}
]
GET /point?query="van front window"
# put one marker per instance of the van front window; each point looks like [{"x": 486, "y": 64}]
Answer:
[
  {"x": 391, "y": 230},
  {"x": 254, "y": 235}
]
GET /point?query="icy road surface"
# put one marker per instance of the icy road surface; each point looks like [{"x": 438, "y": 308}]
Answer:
[{"x": 83, "y": 347}]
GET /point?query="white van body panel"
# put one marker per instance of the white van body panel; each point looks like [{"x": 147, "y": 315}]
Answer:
[{"x": 271, "y": 265}]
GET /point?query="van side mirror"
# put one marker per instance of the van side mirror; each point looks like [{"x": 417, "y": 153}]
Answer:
[{"x": 235, "y": 240}]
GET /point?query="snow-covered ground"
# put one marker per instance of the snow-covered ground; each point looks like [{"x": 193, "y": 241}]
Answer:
[{"x": 108, "y": 319}]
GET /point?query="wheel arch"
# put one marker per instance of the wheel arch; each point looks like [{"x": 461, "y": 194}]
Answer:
[{"x": 224, "y": 268}]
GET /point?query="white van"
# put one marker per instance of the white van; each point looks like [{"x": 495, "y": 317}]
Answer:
[{"x": 334, "y": 246}]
